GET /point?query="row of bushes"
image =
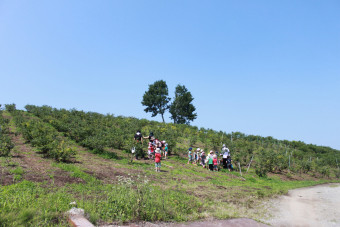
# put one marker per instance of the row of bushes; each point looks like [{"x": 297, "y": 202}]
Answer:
[
  {"x": 6, "y": 144},
  {"x": 276, "y": 161},
  {"x": 97, "y": 131},
  {"x": 43, "y": 136}
]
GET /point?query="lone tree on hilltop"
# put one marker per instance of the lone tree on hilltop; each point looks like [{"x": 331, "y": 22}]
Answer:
[
  {"x": 156, "y": 98},
  {"x": 181, "y": 109}
]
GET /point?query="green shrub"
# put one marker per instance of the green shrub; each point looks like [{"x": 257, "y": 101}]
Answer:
[
  {"x": 325, "y": 171},
  {"x": 337, "y": 173},
  {"x": 6, "y": 145},
  {"x": 10, "y": 107},
  {"x": 261, "y": 171},
  {"x": 306, "y": 166},
  {"x": 44, "y": 137}
]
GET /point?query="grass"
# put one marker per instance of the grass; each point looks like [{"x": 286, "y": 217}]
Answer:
[
  {"x": 182, "y": 192},
  {"x": 42, "y": 205},
  {"x": 29, "y": 204},
  {"x": 176, "y": 199}
]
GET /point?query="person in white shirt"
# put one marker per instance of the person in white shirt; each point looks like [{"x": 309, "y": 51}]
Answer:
[{"x": 225, "y": 153}]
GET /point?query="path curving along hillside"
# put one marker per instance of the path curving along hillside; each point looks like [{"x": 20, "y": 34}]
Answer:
[{"x": 312, "y": 206}]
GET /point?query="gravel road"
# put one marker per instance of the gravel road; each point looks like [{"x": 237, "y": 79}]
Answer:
[{"x": 314, "y": 206}]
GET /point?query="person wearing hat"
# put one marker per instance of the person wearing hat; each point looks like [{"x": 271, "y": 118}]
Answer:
[
  {"x": 198, "y": 155},
  {"x": 225, "y": 153},
  {"x": 138, "y": 144},
  {"x": 163, "y": 142},
  {"x": 138, "y": 136},
  {"x": 158, "y": 158},
  {"x": 151, "y": 138}
]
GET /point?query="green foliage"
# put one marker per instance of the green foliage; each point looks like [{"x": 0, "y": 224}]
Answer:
[
  {"x": 306, "y": 166},
  {"x": 324, "y": 171},
  {"x": 44, "y": 137},
  {"x": 28, "y": 204},
  {"x": 156, "y": 98},
  {"x": 6, "y": 144},
  {"x": 32, "y": 204},
  {"x": 337, "y": 173},
  {"x": 192, "y": 140},
  {"x": 10, "y": 107},
  {"x": 99, "y": 132},
  {"x": 181, "y": 109},
  {"x": 138, "y": 200},
  {"x": 270, "y": 161}
]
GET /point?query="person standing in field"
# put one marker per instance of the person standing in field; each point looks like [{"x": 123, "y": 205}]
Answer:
[
  {"x": 166, "y": 151},
  {"x": 198, "y": 156},
  {"x": 163, "y": 142},
  {"x": 194, "y": 156},
  {"x": 210, "y": 161},
  {"x": 215, "y": 162},
  {"x": 225, "y": 153},
  {"x": 138, "y": 136},
  {"x": 203, "y": 159},
  {"x": 150, "y": 137},
  {"x": 138, "y": 142},
  {"x": 158, "y": 158},
  {"x": 229, "y": 164},
  {"x": 150, "y": 150},
  {"x": 190, "y": 155},
  {"x": 158, "y": 144}
]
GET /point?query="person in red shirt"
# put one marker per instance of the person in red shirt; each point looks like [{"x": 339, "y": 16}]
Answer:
[
  {"x": 215, "y": 162},
  {"x": 158, "y": 157}
]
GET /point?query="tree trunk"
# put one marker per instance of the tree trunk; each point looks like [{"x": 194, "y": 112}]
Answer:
[{"x": 163, "y": 118}]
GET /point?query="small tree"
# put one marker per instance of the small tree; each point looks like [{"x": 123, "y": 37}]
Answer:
[
  {"x": 156, "y": 98},
  {"x": 182, "y": 110}
]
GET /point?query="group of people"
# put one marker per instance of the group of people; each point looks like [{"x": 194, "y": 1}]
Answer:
[
  {"x": 156, "y": 148},
  {"x": 210, "y": 161},
  {"x": 159, "y": 148}
]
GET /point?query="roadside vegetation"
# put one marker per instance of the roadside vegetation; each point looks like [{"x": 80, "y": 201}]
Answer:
[{"x": 57, "y": 156}]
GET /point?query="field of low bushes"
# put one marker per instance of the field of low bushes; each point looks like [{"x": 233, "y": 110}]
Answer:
[{"x": 52, "y": 157}]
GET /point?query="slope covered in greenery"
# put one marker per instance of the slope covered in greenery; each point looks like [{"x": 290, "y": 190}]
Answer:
[
  {"x": 97, "y": 131},
  {"x": 60, "y": 156}
]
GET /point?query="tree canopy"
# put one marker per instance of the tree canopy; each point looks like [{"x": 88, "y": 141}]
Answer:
[
  {"x": 181, "y": 109},
  {"x": 156, "y": 98}
]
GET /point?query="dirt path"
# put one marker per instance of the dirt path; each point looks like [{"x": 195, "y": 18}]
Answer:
[
  {"x": 237, "y": 222},
  {"x": 314, "y": 206}
]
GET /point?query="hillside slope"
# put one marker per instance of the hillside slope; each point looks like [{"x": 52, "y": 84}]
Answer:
[{"x": 37, "y": 187}]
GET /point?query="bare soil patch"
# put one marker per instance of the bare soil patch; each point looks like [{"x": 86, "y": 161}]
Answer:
[
  {"x": 103, "y": 169},
  {"x": 6, "y": 178},
  {"x": 236, "y": 222},
  {"x": 312, "y": 206},
  {"x": 36, "y": 168}
]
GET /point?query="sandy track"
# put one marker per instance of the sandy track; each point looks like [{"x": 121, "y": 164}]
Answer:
[
  {"x": 237, "y": 222},
  {"x": 314, "y": 206}
]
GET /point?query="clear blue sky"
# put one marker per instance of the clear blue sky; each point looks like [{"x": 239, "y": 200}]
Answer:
[{"x": 269, "y": 68}]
